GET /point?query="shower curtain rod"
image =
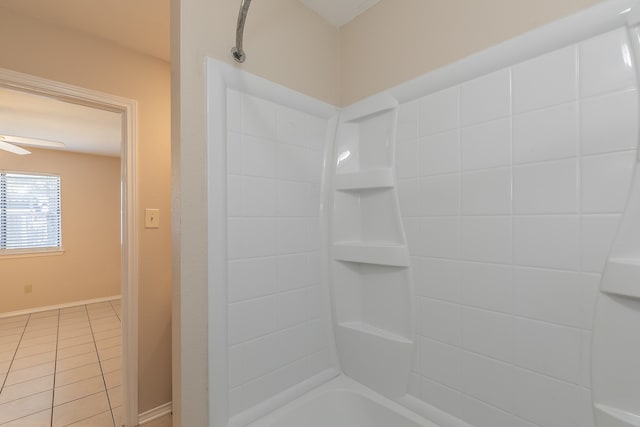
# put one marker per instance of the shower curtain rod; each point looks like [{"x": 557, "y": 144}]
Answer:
[{"x": 237, "y": 52}]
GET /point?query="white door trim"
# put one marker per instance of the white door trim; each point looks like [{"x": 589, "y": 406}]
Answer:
[{"x": 128, "y": 108}]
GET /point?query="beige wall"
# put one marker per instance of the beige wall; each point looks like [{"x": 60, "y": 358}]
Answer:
[
  {"x": 38, "y": 49},
  {"x": 90, "y": 265},
  {"x": 398, "y": 40}
]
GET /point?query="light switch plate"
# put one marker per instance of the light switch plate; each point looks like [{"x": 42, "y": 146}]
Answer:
[{"x": 151, "y": 218}]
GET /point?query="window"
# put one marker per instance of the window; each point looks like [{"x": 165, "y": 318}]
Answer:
[{"x": 29, "y": 213}]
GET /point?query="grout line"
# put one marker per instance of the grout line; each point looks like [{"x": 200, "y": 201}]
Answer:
[
  {"x": 115, "y": 311},
  {"x": 4, "y": 381},
  {"x": 55, "y": 368},
  {"x": 104, "y": 381}
]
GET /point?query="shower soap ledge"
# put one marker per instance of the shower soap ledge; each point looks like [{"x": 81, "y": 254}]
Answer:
[
  {"x": 372, "y": 330},
  {"x": 622, "y": 277},
  {"x": 380, "y": 254},
  {"x": 368, "y": 179}
]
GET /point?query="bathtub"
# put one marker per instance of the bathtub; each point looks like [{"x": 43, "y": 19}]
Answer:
[{"x": 342, "y": 402}]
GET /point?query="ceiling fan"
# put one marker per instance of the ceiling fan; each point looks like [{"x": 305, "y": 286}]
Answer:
[{"x": 7, "y": 143}]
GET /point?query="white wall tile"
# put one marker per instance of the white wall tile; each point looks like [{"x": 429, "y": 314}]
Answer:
[
  {"x": 486, "y": 145},
  {"x": 483, "y": 415},
  {"x": 606, "y": 64},
  {"x": 234, "y": 153},
  {"x": 316, "y": 336},
  {"x": 487, "y": 286},
  {"x": 550, "y": 187},
  {"x": 409, "y": 197},
  {"x": 439, "y": 195},
  {"x": 488, "y": 333},
  {"x": 440, "y": 362},
  {"x": 259, "y": 156},
  {"x": 486, "y": 192},
  {"x": 546, "y": 401},
  {"x": 407, "y": 157},
  {"x": 252, "y": 237},
  {"x": 313, "y": 268},
  {"x": 546, "y": 134},
  {"x": 260, "y": 357},
  {"x": 291, "y": 344},
  {"x": 438, "y": 237},
  {"x": 590, "y": 290},
  {"x": 586, "y": 359},
  {"x": 295, "y": 199},
  {"x": 292, "y": 235},
  {"x": 606, "y": 180},
  {"x": 488, "y": 380},
  {"x": 292, "y": 272},
  {"x": 439, "y": 320},
  {"x": 407, "y": 128},
  {"x": 548, "y": 295},
  {"x": 547, "y": 241},
  {"x": 440, "y": 396},
  {"x": 258, "y": 197},
  {"x": 486, "y": 239},
  {"x": 315, "y": 302},
  {"x": 251, "y": 319},
  {"x": 259, "y": 117},
  {"x": 315, "y": 132},
  {"x": 548, "y": 349},
  {"x": 251, "y": 278},
  {"x": 598, "y": 233},
  {"x": 545, "y": 81},
  {"x": 234, "y": 195},
  {"x": 318, "y": 362},
  {"x": 440, "y": 153},
  {"x": 292, "y": 162},
  {"x": 609, "y": 123},
  {"x": 291, "y": 308},
  {"x": 291, "y": 125},
  {"x": 313, "y": 234},
  {"x": 437, "y": 278},
  {"x": 486, "y": 98},
  {"x": 439, "y": 112}
]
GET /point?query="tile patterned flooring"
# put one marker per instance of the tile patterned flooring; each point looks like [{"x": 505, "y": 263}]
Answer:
[{"x": 61, "y": 367}]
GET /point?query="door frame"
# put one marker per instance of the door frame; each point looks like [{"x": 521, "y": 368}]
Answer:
[{"x": 128, "y": 201}]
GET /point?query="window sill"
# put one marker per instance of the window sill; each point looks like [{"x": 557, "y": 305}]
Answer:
[{"x": 55, "y": 252}]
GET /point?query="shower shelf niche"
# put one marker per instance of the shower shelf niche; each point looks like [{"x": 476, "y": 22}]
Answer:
[
  {"x": 371, "y": 281},
  {"x": 368, "y": 253}
]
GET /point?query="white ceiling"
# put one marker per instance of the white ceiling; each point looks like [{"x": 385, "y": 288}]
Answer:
[
  {"x": 339, "y": 12},
  {"x": 80, "y": 128}
]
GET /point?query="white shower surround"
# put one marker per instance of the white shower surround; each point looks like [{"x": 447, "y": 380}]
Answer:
[{"x": 493, "y": 382}]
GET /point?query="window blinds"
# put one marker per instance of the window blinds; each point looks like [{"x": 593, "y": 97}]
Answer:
[{"x": 29, "y": 212}]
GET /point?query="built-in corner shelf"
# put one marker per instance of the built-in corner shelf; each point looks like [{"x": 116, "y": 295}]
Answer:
[
  {"x": 363, "y": 180},
  {"x": 370, "y": 276},
  {"x": 368, "y": 253}
]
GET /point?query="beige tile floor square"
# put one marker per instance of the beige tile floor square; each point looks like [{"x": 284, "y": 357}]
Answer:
[{"x": 61, "y": 367}]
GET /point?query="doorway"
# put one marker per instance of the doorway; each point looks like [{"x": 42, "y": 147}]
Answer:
[{"x": 128, "y": 224}]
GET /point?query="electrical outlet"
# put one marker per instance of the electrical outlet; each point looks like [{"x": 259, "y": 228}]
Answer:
[
  {"x": 28, "y": 289},
  {"x": 151, "y": 218}
]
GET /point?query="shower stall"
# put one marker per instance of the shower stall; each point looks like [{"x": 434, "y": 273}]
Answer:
[{"x": 433, "y": 254}]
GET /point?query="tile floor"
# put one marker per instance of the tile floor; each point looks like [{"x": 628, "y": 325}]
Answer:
[{"x": 61, "y": 367}]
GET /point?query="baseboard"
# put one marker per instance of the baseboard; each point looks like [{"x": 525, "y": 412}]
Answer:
[
  {"x": 154, "y": 414},
  {"x": 57, "y": 306}
]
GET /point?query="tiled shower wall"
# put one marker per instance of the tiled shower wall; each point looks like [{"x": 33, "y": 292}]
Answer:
[
  {"x": 511, "y": 188},
  {"x": 277, "y": 332}
]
